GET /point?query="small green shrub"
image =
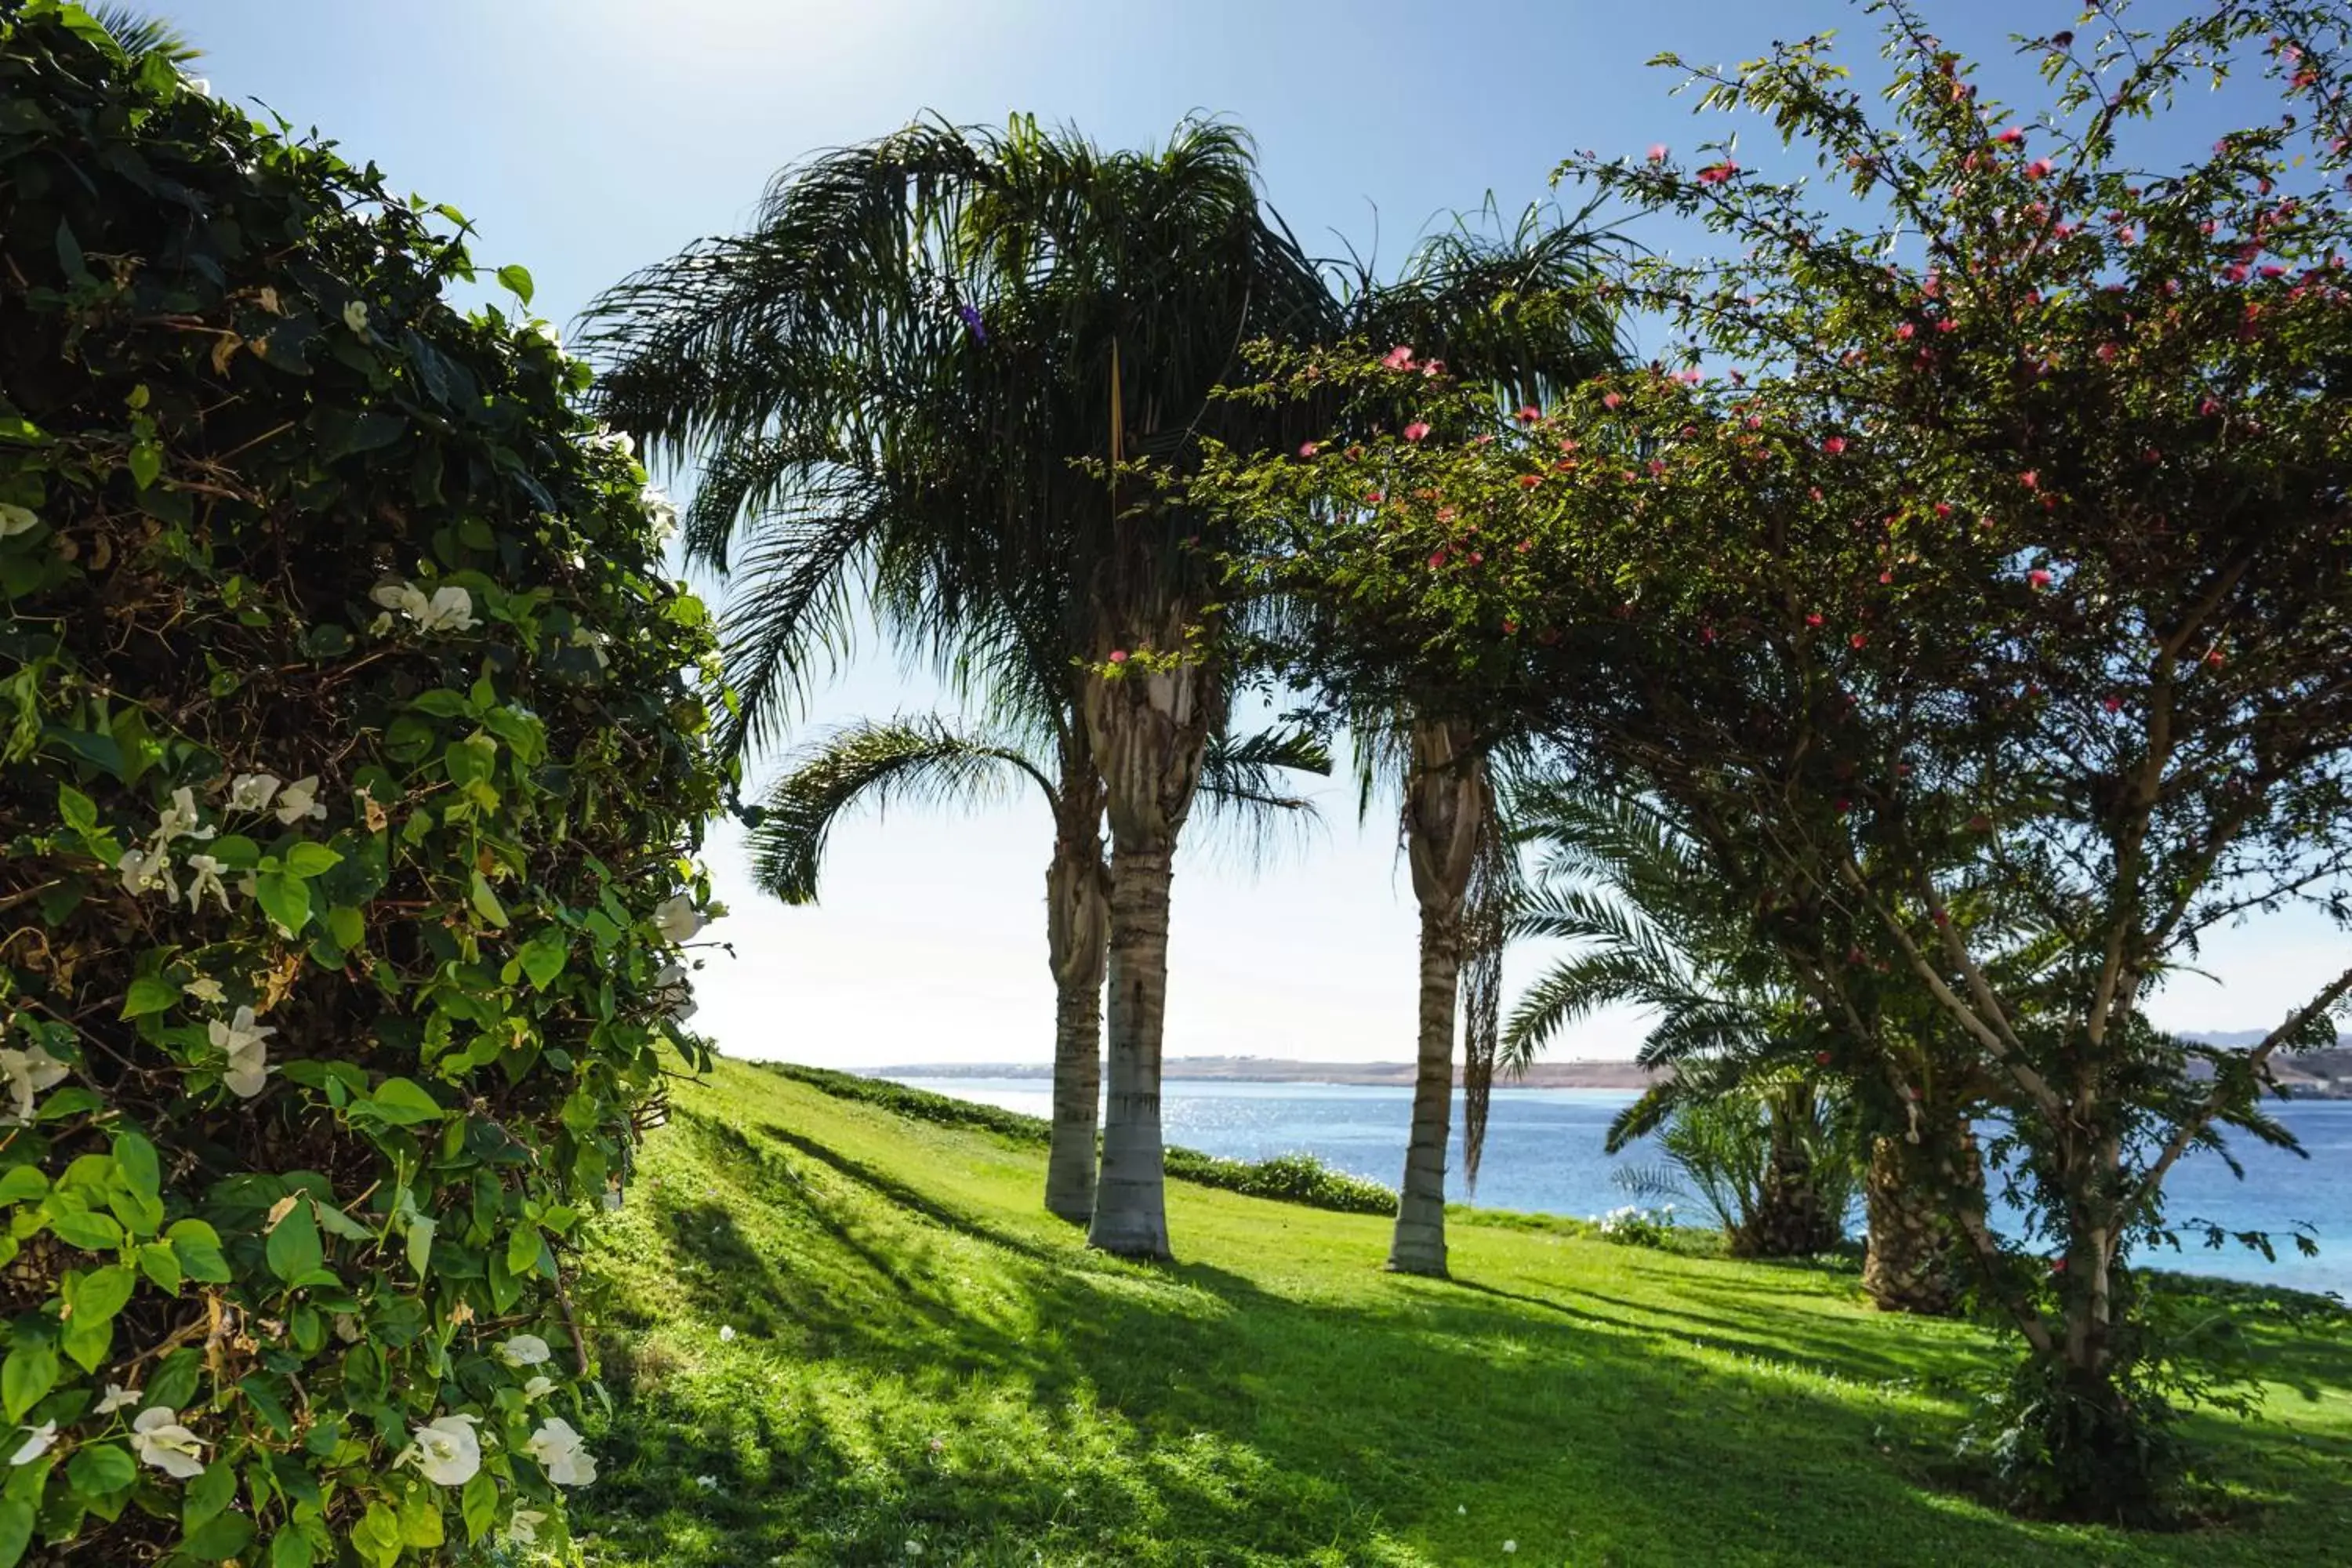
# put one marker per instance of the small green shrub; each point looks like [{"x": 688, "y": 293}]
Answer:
[
  {"x": 349, "y": 771},
  {"x": 1297, "y": 1178}
]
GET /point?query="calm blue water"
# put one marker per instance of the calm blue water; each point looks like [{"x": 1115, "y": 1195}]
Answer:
[{"x": 1543, "y": 1154}]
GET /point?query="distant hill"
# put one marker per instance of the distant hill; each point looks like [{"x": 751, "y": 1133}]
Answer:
[
  {"x": 2313, "y": 1075},
  {"x": 1279, "y": 1070}
]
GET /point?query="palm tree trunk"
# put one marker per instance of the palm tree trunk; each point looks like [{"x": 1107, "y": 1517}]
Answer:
[
  {"x": 1078, "y": 941},
  {"x": 1909, "y": 1265},
  {"x": 1418, "y": 1246},
  {"x": 1444, "y": 799},
  {"x": 1149, "y": 731}
]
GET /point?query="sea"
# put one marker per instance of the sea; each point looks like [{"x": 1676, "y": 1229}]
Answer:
[{"x": 1544, "y": 1154}]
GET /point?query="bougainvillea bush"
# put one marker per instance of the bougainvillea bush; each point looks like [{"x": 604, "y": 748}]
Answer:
[
  {"x": 350, "y": 764},
  {"x": 1975, "y": 575}
]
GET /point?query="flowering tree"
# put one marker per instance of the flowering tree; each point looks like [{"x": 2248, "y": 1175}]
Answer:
[
  {"x": 350, "y": 772},
  {"x": 1977, "y": 588}
]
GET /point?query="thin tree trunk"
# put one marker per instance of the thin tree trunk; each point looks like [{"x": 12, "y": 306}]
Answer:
[
  {"x": 1418, "y": 1246},
  {"x": 1445, "y": 798},
  {"x": 1077, "y": 932},
  {"x": 1131, "y": 1215},
  {"x": 1149, "y": 730}
]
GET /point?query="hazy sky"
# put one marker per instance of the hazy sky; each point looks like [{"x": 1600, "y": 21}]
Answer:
[{"x": 587, "y": 137}]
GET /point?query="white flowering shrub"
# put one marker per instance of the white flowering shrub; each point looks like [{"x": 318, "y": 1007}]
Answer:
[
  {"x": 1632, "y": 1225},
  {"x": 350, "y": 765}
]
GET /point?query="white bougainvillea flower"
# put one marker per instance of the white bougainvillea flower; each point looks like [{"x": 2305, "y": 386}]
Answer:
[
  {"x": 355, "y": 315},
  {"x": 251, "y": 792},
  {"x": 204, "y": 877},
  {"x": 561, "y": 1454},
  {"x": 523, "y": 1528},
  {"x": 523, "y": 1350},
  {"x": 160, "y": 1440},
  {"x": 538, "y": 1387},
  {"x": 38, "y": 1440},
  {"x": 445, "y": 1450},
  {"x": 673, "y": 994},
  {"x": 676, "y": 918},
  {"x": 15, "y": 519},
  {"x": 178, "y": 820},
  {"x": 708, "y": 1483},
  {"x": 300, "y": 799},
  {"x": 28, "y": 1071},
  {"x": 144, "y": 870},
  {"x": 451, "y": 609},
  {"x": 660, "y": 511},
  {"x": 726, "y": 1333},
  {"x": 117, "y": 1397},
  {"x": 205, "y": 988},
  {"x": 245, "y": 1042}
]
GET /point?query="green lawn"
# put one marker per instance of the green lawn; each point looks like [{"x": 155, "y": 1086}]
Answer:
[{"x": 927, "y": 1369}]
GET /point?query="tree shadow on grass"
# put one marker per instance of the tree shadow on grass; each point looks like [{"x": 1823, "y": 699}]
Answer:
[{"x": 1188, "y": 1415}]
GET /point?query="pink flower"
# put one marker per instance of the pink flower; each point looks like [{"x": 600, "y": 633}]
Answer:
[
  {"x": 1657, "y": 151},
  {"x": 2208, "y": 408},
  {"x": 1948, "y": 325},
  {"x": 1833, "y": 444},
  {"x": 2040, "y": 169},
  {"x": 2031, "y": 479},
  {"x": 1437, "y": 560},
  {"x": 2011, "y": 136},
  {"x": 2038, "y": 578},
  {"x": 1118, "y": 655},
  {"x": 1611, "y": 401},
  {"x": 1858, "y": 640},
  {"x": 1397, "y": 358},
  {"x": 1307, "y": 448},
  {"x": 1717, "y": 173},
  {"x": 1531, "y": 414},
  {"x": 1815, "y": 619},
  {"x": 2107, "y": 352},
  {"x": 1905, "y": 330},
  {"x": 1415, "y": 431},
  {"x": 1529, "y": 481}
]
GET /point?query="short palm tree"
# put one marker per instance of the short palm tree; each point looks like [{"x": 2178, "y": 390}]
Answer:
[
  {"x": 934, "y": 761},
  {"x": 1651, "y": 927}
]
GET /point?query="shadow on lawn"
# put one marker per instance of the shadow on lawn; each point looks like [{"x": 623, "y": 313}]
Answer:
[{"x": 1232, "y": 1414}]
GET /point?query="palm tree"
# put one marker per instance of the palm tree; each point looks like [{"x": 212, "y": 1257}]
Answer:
[
  {"x": 930, "y": 761},
  {"x": 1518, "y": 311},
  {"x": 1654, "y": 929},
  {"x": 926, "y": 379},
  {"x": 139, "y": 34}
]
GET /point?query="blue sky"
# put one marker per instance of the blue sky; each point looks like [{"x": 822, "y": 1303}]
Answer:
[{"x": 588, "y": 137}]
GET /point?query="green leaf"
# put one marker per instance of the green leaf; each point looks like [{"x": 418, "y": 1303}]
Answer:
[
  {"x": 523, "y": 1250},
  {"x": 346, "y": 926},
  {"x": 285, "y": 899},
  {"x": 91, "y": 1232},
  {"x": 101, "y": 1293},
  {"x": 80, "y": 812},
  {"x": 256, "y": 1387},
  {"x": 146, "y": 463},
  {"x": 87, "y": 1340},
  {"x": 221, "y": 1538},
  {"x": 161, "y": 1264},
  {"x": 208, "y": 1494},
  {"x": 516, "y": 280},
  {"x": 293, "y": 1249},
  {"x": 404, "y": 1103},
  {"x": 22, "y": 1184},
  {"x": 142, "y": 1170},
  {"x": 420, "y": 1242},
  {"x": 149, "y": 994},
  {"x": 376, "y": 1537},
  {"x": 98, "y": 1468},
  {"x": 308, "y": 859},
  {"x": 542, "y": 957},
  {"x": 486, "y": 902},
  {"x": 30, "y": 1372},
  {"x": 420, "y": 1519},
  {"x": 197, "y": 1245},
  {"x": 290, "y": 1550},
  {"x": 174, "y": 1383},
  {"x": 16, "y": 1531},
  {"x": 479, "y": 1504}
]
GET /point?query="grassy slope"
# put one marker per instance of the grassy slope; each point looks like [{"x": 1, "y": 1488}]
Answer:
[{"x": 922, "y": 1356}]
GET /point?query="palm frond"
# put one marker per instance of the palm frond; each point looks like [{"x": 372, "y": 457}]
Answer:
[
  {"x": 862, "y": 765},
  {"x": 141, "y": 33}
]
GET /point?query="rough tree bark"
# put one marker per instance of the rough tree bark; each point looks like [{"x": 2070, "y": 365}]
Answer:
[
  {"x": 1077, "y": 926},
  {"x": 1913, "y": 1261},
  {"x": 1444, "y": 801},
  {"x": 1149, "y": 730},
  {"x": 1789, "y": 1221}
]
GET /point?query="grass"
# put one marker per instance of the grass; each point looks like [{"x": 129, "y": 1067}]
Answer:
[{"x": 925, "y": 1369}]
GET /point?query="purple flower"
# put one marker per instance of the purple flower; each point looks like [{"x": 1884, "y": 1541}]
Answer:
[{"x": 972, "y": 318}]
